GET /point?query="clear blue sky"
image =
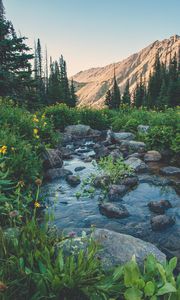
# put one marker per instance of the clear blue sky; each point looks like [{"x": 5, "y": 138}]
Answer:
[{"x": 91, "y": 33}]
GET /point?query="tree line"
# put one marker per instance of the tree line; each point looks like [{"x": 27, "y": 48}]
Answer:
[
  {"x": 31, "y": 84},
  {"x": 162, "y": 89},
  {"x": 34, "y": 80}
]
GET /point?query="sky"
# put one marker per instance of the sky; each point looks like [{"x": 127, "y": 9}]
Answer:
[{"x": 94, "y": 33}]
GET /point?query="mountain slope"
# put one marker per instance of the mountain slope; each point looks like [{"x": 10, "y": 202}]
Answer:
[{"x": 93, "y": 84}]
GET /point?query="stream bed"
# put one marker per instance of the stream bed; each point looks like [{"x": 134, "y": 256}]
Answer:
[{"x": 72, "y": 212}]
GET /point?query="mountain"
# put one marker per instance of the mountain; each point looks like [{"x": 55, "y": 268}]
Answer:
[{"x": 92, "y": 84}]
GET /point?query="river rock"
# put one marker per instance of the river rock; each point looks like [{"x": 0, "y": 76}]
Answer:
[
  {"x": 143, "y": 129},
  {"x": 73, "y": 180},
  {"x": 161, "y": 222},
  {"x": 159, "y": 206},
  {"x": 101, "y": 181},
  {"x": 133, "y": 145},
  {"x": 101, "y": 151},
  {"x": 81, "y": 131},
  {"x": 116, "y": 154},
  {"x": 119, "y": 136},
  {"x": 66, "y": 153},
  {"x": 116, "y": 192},
  {"x": 116, "y": 248},
  {"x": 112, "y": 210},
  {"x": 152, "y": 156},
  {"x": 78, "y": 169},
  {"x": 168, "y": 171},
  {"x": 137, "y": 164},
  {"x": 129, "y": 182},
  {"x": 52, "y": 159},
  {"x": 56, "y": 173}
]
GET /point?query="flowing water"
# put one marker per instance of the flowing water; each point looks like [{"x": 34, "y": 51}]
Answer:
[{"x": 72, "y": 212}]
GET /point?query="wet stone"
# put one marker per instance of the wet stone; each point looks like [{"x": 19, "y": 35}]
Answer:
[
  {"x": 73, "y": 180},
  {"x": 116, "y": 192},
  {"x": 161, "y": 222},
  {"x": 78, "y": 169},
  {"x": 159, "y": 206},
  {"x": 112, "y": 210}
]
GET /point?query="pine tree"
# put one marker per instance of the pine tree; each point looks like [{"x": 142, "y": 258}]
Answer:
[
  {"x": 116, "y": 96},
  {"x": 140, "y": 94},
  {"x": 126, "y": 99},
  {"x": 73, "y": 96},
  {"x": 66, "y": 98},
  {"x": 15, "y": 67},
  {"x": 108, "y": 99},
  {"x": 2, "y": 11}
]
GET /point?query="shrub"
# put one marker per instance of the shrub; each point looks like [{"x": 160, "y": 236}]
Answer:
[
  {"x": 159, "y": 137},
  {"x": 96, "y": 119},
  {"x": 131, "y": 125},
  {"x": 115, "y": 169},
  {"x": 61, "y": 115}
]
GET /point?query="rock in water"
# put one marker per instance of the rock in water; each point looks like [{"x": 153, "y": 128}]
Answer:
[
  {"x": 137, "y": 164},
  {"x": 168, "y": 171},
  {"x": 159, "y": 206},
  {"x": 116, "y": 192},
  {"x": 112, "y": 210},
  {"x": 56, "y": 173},
  {"x": 73, "y": 180},
  {"x": 52, "y": 159},
  {"x": 161, "y": 222}
]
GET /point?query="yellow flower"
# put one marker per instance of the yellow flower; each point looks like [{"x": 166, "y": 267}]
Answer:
[
  {"x": 37, "y": 204},
  {"x": 12, "y": 149},
  {"x": 35, "y": 131},
  {"x": 43, "y": 116},
  {"x": 35, "y": 119},
  {"x": 3, "y": 149}
]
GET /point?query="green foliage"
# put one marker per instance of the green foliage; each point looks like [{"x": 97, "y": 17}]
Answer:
[
  {"x": 96, "y": 119},
  {"x": 25, "y": 136},
  {"x": 116, "y": 170},
  {"x": 159, "y": 137}
]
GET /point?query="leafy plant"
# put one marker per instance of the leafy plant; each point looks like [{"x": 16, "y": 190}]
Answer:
[{"x": 116, "y": 170}]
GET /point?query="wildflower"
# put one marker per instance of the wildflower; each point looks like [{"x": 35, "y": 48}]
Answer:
[
  {"x": 13, "y": 214},
  {"x": 37, "y": 204},
  {"x": 43, "y": 116},
  {"x": 38, "y": 181},
  {"x": 35, "y": 119},
  {"x": 35, "y": 131},
  {"x": 3, "y": 149},
  {"x": 12, "y": 149},
  {"x": 21, "y": 183},
  {"x": 44, "y": 124},
  {"x": 3, "y": 287}
]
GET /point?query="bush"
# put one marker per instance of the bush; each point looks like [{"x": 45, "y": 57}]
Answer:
[
  {"x": 131, "y": 125},
  {"x": 61, "y": 115},
  {"x": 159, "y": 137},
  {"x": 96, "y": 119}
]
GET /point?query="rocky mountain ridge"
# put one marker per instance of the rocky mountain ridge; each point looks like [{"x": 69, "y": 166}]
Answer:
[{"x": 92, "y": 84}]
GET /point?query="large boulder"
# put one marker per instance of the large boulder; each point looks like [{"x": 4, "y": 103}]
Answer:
[
  {"x": 116, "y": 248},
  {"x": 52, "y": 159},
  {"x": 112, "y": 210},
  {"x": 168, "y": 171},
  {"x": 152, "y": 156},
  {"x": 137, "y": 164}
]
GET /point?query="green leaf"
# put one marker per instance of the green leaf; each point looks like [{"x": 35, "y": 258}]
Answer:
[
  {"x": 173, "y": 263},
  {"x": 42, "y": 268},
  {"x": 149, "y": 288},
  {"x": 133, "y": 294},
  {"x": 166, "y": 289},
  {"x": 162, "y": 272}
]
